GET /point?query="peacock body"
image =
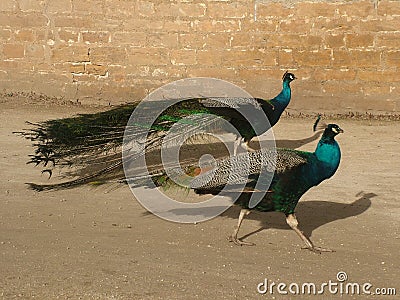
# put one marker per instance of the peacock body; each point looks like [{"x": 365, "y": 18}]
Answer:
[
  {"x": 294, "y": 174},
  {"x": 91, "y": 140}
]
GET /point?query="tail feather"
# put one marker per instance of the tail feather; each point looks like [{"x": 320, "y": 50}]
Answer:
[{"x": 76, "y": 182}]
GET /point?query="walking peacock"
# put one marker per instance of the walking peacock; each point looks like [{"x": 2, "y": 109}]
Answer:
[
  {"x": 295, "y": 173},
  {"x": 91, "y": 140}
]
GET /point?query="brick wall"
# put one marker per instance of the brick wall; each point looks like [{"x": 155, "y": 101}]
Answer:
[{"x": 346, "y": 53}]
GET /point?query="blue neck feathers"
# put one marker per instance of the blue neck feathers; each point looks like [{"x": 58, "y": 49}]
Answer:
[
  {"x": 282, "y": 100},
  {"x": 328, "y": 152}
]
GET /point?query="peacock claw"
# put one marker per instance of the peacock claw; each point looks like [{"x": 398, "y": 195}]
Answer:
[
  {"x": 318, "y": 250},
  {"x": 238, "y": 242}
]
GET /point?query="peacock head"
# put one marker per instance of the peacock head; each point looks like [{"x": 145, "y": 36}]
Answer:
[
  {"x": 289, "y": 77},
  {"x": 332, "y": 130}
]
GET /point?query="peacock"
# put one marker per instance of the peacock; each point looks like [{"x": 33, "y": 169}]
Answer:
[
  {"x": 295, "y": 173},
  {"x": 92, "y": 142}
]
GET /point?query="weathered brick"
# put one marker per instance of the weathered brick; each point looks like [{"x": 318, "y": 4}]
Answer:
[
  {"x": 117, "y": 73},
  {"x": 77, "y": 68},
  {"x": 5, "y": 34},
  {"x": 268, "y": 26},
  {"x": 13, "y": 51},
  {"x": 242, "y": 40},
  {"x": 95, "y": 37},
  {"x": 12, "y": 64},
  {"x": 285, "y": 58},
  {"x": 35, "y": 52},
  {"x": 334, "y": 41},
  {"x": 26, "y": 20},
  {"x": 121, "y": 9},
  {"x": 191, "y": 41},
  {"x": 343, "y": 87},
  {"x": 150, "y": 56},
  {"x": 296, "y": 25},
  {"x": 183, "y": 57},
  {"x": 378, "y": 76},
  {"x": 273, "y": 10},
  {"x": 108, "y": 55},
  {"x": 390, "y": 8},
  {"x": 221, "y": 10},
  {"x": 7, "y": 5},
  {"x": 393, "y": 59},
  {"x": 258, "y": 75},
  {"x": 70, "y": 54},
  {"x": 210, "y": 57},
  {"x": 163, "y": 40},
  {"x": 145, "y": 8},
  {"x": 138, "y": 70},
  {"x": 31, "y": 5},
  {"x": 59, "y": 6},
  {"x": 359, "y": 40},
  {"x": 225, "y": 73},
  {"x": 135, "y": 39},
  {"x": 24, "y": 35},
  {"x": 313, "y": 58},
  {"x": 324, "y": 74},
  {"x": 336, "y": 25},
  {"x": 216, "y": 40},
  {"x": 118, "y": 94},
  {"x": 87, "y": 6},
  {"x": 356, "y": 58},
  {"x": 135, "y": 24},
  {"x": 342, "y": 58},
  {"x": 295, "y": 41},
  {"x": 314, "y": 9},
  {"x": 176, "y": 26},
  {"x": 250, "y": 58},
  {"x": 68, "y": 35},
  {"x": 388, "y": 40},
  {"x": 167, "y": 72},
  {"x": 361, "y": 9},
  {"x": 366, "y": 58},
  {"x": 181, "y": 9},
  {"x": 382, "y": 24},
  {"x": 45, "y": 35},
  {"x": 259, "y": 40},
  {"x": 377, "y": 89},
  {"x": 73, "y": 22},
  {"x": 99, "y": 70},
  {"x": 207, "y": 25}
]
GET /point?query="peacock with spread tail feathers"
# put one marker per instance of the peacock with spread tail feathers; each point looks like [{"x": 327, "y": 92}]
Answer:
[
  {"x": 92, "y": 142},
  {"x": 295, "y": 173}
]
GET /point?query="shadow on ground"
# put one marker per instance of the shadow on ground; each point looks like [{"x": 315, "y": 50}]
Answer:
[{"x": 310, "y": 214}]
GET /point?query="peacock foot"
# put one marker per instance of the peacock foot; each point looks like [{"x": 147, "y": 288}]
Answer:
[
  {"x": 238, "y": 242},
  {"x": 318, "y": 250}
]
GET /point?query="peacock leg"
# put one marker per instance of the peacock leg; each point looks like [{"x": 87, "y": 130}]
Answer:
[
  {"x": 246, "y": 146},
  {"x": 233, "y": 238},
  {"x": 236, "y": 144},
  {"x": 291, "y": 220}
]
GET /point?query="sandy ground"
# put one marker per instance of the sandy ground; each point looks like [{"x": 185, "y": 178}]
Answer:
[{"x": 97, "y": 243}]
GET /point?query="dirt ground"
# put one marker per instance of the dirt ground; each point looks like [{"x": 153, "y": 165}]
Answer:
[{"x": 98, "y": 243}]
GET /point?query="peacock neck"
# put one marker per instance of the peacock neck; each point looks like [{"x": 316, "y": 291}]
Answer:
[
  {"x": 282, "y": 100},
  {"x": 328, "y": 152}
]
